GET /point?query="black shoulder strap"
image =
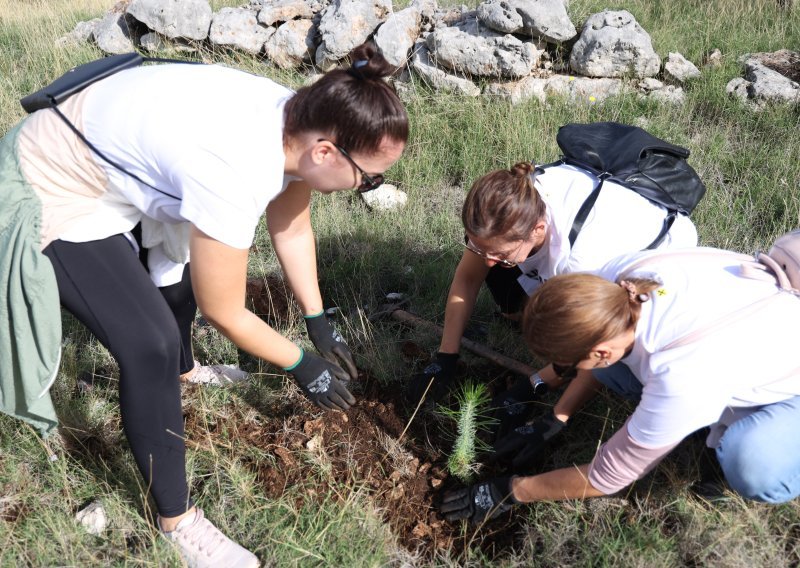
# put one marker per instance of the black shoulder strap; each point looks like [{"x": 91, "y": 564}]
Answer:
[
  {"x": 583, "y": 212},
  {"x": 80, "y": 77},
  {"x": 668, "y": 221}
]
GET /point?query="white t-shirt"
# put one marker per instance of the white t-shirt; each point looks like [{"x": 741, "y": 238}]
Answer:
[
  {"x": 209, "y": 135},
  {"x": 621, "y": 221},
  {"x": 749, "y": 362}
]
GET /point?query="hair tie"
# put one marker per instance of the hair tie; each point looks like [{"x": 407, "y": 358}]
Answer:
[
  {"x": 633, "y": 294},
  {"x": 360, "y": 63}
]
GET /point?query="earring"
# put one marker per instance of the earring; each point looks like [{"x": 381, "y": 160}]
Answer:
[{"x": 605, "y": 361}]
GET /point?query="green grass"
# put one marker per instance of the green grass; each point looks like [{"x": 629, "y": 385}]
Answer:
[{"x": 748, "y": 160}]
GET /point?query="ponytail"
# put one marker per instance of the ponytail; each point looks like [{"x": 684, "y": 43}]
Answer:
[
  {"x": 355, "y": 106},
  {"x": 504, "y": 203}
]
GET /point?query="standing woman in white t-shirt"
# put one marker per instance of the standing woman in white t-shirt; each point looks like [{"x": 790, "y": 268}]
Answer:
[
  {"x": 697, "y": 342},
  {"x": 517, "y": 224},
  {"x": 212, "y": 148}
]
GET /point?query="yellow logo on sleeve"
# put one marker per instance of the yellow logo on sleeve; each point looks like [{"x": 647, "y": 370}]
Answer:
[{"x": 661, "y": 292}]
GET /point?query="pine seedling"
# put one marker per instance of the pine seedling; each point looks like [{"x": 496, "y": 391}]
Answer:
[{"x": 469, "y": 417}]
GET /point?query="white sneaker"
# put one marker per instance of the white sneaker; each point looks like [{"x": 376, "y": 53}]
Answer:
[
  {"x": 202, "y": 545},
  {"x": 216, "y": 375}
]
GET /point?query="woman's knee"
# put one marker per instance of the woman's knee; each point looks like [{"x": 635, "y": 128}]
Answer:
[
  {"x": 154, "y": 353},
  {"x": 754, "y": 473}
]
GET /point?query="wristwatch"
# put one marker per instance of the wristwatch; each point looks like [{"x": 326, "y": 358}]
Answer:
[{"x": 537, "y": 384}]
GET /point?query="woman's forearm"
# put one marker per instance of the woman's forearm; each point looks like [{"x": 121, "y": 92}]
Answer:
[{"x": 556, "y": 485}]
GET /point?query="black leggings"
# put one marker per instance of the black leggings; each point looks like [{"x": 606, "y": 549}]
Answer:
[
  {"x": 104, "y": 285},
  {"x": 505, "y": 289}
]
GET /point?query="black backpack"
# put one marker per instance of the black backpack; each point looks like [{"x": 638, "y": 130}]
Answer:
[{"x": 633, "y": 158}]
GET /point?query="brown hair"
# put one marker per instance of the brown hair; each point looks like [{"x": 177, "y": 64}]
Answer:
[
  {"x": 354, "y": 106},
  {"x": 570, "y": 314},
  {"x": 504, "y": 203}
]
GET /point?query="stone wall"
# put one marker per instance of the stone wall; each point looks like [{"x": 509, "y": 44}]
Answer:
[{"x": 511, "y": 49}]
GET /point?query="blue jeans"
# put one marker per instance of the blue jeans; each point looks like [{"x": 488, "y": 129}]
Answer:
[{"x": 759, "y": 454}]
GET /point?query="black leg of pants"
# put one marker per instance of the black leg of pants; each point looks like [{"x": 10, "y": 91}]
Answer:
[
  {"x": 506, "y": 291},
  {"x": 103, "y": 284},
  {"x": 181, "y": 301}
]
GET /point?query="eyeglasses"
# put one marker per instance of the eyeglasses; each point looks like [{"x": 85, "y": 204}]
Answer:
[
  {"x": 505, "y": 263},
  {"x": 368, "y": 183}
]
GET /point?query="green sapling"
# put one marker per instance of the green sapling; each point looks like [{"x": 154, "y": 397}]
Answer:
[{"x": 473, "y": 400}]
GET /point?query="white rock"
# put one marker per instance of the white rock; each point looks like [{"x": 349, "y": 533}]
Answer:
[
  {"x": 292, "y": 44},
  {"x": 93, "y": 518},
  {"x": 397, "y": 35},
  {"x": 113, "y": 35},
  {"x": 385, "y": 197},
  {"x": 238, "y": 28},
  {"x": 679, "y": 70},
  {"x": 188, "y": 19},
  {"x": 436, "y": 77}
]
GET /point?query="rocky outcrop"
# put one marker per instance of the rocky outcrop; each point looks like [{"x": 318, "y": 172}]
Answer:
[{"x": 512, "y": 49}]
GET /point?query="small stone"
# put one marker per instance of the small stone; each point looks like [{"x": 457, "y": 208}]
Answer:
[
  {"x": 435, "y": 482},
  {"x": 385, "y": 198},
  {"x": 93, "y": 518}
]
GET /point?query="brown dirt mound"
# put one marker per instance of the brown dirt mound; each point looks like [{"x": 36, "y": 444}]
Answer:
[{"x": 366, "y": 447}]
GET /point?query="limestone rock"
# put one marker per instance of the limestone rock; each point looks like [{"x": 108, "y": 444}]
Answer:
[
  {"x": 82, "y": 32},
  {"x": 471, "y": 49},
  {"x": 578, "y": 89},
  {"x": 613, "y": 44},
  {"x": 385, "y": 197},
  {"x": 93, "y": 518},
  {"x": 273, "y": 11},
  {"x": 346, "y": 24},
  {"x": 113, "y": 34},
  {"x": 436, "y": 77},
  {"x": 678, "y": 69},
  {"x": 190, "y": 19},
  {"x": 239, "y": 28},
  {"x": 543, "y": 19},
  {"x": 397, "y": 35},
  {"x": 292, "y": 44},
  {"x": 518, "y": 91}
]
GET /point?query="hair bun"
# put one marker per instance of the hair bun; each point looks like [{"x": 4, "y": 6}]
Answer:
[
  {"x": 522, "y": 169},
  {"x": 368, "y": 63}
]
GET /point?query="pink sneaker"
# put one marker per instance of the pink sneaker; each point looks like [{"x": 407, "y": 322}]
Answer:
[
  {"x": 216, "y": 375},
  {"x": 202, "y": 545}
]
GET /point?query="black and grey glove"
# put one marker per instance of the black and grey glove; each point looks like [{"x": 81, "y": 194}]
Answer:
[
  {"x": 512, "y": 406},
  {"x": 479, "y": 502},
  {"x": 330, "y": 343},
  {"x": 442, "y": 371},
  {"x": 322, "y": 382},
  {"x": 524, "y": 444}
]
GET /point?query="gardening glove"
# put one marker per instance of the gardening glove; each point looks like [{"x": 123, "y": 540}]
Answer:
[
  {"x": 322, "y": 382},
  {"x": 330, "y": 343},
  {"x": 512, "y": 407},
  {"x": 524, "y": 444},
  {"x": 479, "y": 502},
  {"x": 442, "y": 369}
]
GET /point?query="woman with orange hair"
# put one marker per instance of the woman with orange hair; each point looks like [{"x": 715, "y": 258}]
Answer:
[{"x": 698, "y": 343}]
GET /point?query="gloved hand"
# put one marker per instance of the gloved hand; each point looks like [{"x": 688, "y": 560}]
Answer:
[
  {"x": 322, "y": 382},
  {"x": 524, "y": 443},
  {"x": 442, "y": 369},
  {"x": 512, "y": 407},
  {"x": 479, "y": 502},
  {"x": 330, "y": 343}
]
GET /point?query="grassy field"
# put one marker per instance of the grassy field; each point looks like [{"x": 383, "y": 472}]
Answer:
[{"x": 303, "y": 488}]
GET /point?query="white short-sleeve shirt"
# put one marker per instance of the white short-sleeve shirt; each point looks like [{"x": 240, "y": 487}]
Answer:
[
  {"x": 620, "y": 222},
  {"x": 749, "y": 362},
  {"x": 210, "y": 136}
]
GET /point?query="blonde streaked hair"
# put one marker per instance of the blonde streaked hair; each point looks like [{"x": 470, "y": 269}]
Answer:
[{"x": 571, "y": 314}]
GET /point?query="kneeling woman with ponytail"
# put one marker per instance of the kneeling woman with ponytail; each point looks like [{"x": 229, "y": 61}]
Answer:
[
  {"x": 517, "y": 224},
  {"x": 698, "y": 343}
]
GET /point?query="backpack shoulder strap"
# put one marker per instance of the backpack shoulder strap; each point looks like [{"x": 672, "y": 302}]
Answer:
[{"x": 583, "y": 212}]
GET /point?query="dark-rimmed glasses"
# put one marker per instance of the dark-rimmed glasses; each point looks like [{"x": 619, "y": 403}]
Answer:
[
  {"x": 501, "y": 261},
  {"x": 368, "y": 182}
]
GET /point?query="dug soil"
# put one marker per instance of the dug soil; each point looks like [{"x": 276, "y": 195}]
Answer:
[{"x": 369, "y": 448}]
